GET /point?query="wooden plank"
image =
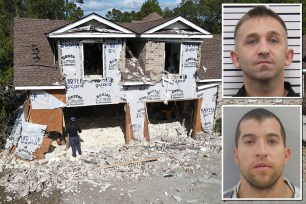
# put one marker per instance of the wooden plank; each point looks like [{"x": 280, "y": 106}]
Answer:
[
  {"x": 128, "y": 125},
  {"x": 146, "y": 128},
  {"x": 197, "y": 127},
  {"x": 52, "y": 118},
  {"x": 130, "y": 162}
]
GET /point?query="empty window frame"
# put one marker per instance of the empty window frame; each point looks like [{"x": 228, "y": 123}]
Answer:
[
  {"x": 93, "y": 59},
  {"x": 172, "y": 57}
]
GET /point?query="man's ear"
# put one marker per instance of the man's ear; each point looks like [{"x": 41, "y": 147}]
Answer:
[
  {"x": 235, "y": 58},
  {"x": 287, "y": 155},
  {"x": 289, "y": 56},
  {"x": 236, "y": 155}
]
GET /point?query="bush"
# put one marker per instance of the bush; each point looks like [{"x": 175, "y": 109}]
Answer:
[{"x": 218, "y": 125}]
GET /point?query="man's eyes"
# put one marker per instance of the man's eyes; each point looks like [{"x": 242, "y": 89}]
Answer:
[
  {"x": 273, "y": 41},
  {"x": 251, "y": 42},
  {"x": 272, "y": 141},
  {"x": 248, "y": 142}
]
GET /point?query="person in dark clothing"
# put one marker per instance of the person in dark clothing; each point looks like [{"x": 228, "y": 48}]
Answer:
[{"x": 72, "y": 131}]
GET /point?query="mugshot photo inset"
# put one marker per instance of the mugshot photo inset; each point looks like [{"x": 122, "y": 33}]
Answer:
[
  {"x": 261, "y": 47},
  {"x": 262, "y": 152}
]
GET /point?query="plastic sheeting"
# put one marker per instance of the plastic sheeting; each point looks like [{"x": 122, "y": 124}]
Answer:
[
  {"x": 208, "y": 108},
  {"x": 16, "y": 131},
  {"x": 43, "y": 100},
  {"x": 31, "y": 139},
  {"x": 137, "y": 119}
]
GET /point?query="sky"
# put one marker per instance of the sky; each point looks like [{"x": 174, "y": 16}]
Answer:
[{"x": 101, "y": 7}]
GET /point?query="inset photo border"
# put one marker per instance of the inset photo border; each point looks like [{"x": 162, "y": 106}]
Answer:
[
  {"x": 291, "y": 118},
  {"x": 232, "y": 77}
]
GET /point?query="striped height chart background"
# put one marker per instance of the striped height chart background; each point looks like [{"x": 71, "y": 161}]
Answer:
[{"x": 231, "y": 14}]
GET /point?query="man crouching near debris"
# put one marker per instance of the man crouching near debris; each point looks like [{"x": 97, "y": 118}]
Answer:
[{"x": 72, "y": 131}]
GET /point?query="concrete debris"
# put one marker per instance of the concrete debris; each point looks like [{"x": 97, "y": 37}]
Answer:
[
  {"x": 177, "y": 198},
  {"x": 167, "y": 155}
]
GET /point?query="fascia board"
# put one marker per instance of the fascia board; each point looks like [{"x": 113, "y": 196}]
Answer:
[
  {"x": 187, "y": 36},
  {"x": 92, "y": 35},
  {"x": 208, "y": 80},
  {"x": 176, "y": 20},
  {"x": 206, "y": 86},
  {"x": 39, "y": 87},
  {"x": 89, "y": 18}
]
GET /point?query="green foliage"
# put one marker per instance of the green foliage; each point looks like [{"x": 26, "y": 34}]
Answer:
[
  {"x": 150, "y": 6},
  {"x": 147, "y": 7},
  {"x": 218, "y": 125},
  {"x": 51, "y": 9}
]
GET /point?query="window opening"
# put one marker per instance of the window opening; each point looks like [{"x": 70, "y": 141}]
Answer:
[
  {"x": 93, "y": 59},
  {"x": 172, "y": 58}
]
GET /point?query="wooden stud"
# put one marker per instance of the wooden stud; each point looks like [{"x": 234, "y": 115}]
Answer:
[
  {"x": 146, "y": 127},
  {"x": 128, "y": 124},
  {"x": 197, "y": 126}
]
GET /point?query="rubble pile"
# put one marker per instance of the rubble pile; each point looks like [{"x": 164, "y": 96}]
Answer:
[{"x": 167, "y": 156}]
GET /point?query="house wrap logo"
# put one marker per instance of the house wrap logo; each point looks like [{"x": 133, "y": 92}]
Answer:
[
  {"x": 140, "y": 113},
  {"x": 154, "y": 95},
  {"x": 103, "y": 98},
  {"x": 207, "y": 111},
  {"x": 68, "y": 60},
  {"x": 108, "y": 81},
  {"x": 143, "y": 98},
  {"x": 75, "y": 100},
  {"x": 190, "y": 62},
  {"x": 178, "y": 93},
  {"x": 74, "y": 83},
  {"x": 113, "y": 65}
]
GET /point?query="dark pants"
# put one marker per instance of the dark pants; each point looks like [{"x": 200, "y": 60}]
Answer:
[{"x": 75, "y": 144}]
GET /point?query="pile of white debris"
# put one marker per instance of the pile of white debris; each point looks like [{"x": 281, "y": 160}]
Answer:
[{"x": 106, "y": 156}]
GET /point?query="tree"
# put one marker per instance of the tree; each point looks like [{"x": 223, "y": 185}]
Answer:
[
  {"x": 51, "y": 9},
  {"x": 150, "y": 6}
]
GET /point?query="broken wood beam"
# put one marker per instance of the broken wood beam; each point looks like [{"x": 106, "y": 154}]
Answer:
[
  {"x": 197, "y": 126},
  {"x": 129, "y": 162},
  {"x": 128, "y": 125}
]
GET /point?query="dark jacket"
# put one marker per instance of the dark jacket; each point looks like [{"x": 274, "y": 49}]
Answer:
[
  {"x": 72, "y": 130},
  {"x": 242, "y": 92}
]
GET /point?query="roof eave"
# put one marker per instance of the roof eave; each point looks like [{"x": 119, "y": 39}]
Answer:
[
  {"x": 91, "y": 35},
  {"x": 92, "y": 16},
  {"x": 39, "y": 87},
  {"x": 159, "y": 27}
]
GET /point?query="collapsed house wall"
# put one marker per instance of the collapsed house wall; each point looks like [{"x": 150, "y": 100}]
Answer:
[
  {"x": 154, "y": 61},
  {"x": 44, "y": 108},
  {"x": 107, "y": 89}
]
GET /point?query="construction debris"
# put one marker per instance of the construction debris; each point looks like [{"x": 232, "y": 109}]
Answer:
[{"x": 97, "y": 166}]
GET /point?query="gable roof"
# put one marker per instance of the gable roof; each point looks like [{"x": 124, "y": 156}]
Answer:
[
  {"x": 151, "y": 17},
  {"x": 211, "y": 59},
  {"x": 34, "y": 63},
  {"x": 92, "y": 25},
  {"x": 154, "y": 26},
  {"x": 33, "y": 56}
]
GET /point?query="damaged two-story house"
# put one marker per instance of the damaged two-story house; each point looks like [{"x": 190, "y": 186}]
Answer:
[{"x": 95, "y": 62}]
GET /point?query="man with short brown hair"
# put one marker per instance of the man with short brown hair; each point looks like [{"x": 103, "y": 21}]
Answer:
[
  {"x": 261, "y": 52},
  {"x": 261, "y": 155}
]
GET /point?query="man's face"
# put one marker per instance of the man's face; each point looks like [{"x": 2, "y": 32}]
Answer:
[
  {"x": 261, "y": 154},
  {"x": 261, "y": 50}
]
